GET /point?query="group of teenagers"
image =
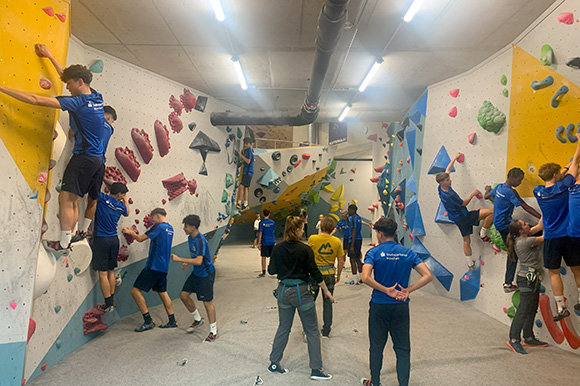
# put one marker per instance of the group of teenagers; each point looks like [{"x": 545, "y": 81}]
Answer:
[{"x": 556, "y": 236}]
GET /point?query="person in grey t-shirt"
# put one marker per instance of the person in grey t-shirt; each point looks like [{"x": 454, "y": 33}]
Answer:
[{"x": 527, "y": 247}]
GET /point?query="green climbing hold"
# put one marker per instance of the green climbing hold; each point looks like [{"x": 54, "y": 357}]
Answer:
[
  {"x": 229, "y": 180},
  {"x": 240, "y": 134},
  {"x": 58, "y": 187},
  {"x": 57, "y": 309},
  {"x": 332, "y": 167},
  {"x": 77, "y": 271},
  {"x": 69, "y": 277},
  {"x": 228, "y": 210},
  {"x": 490, "y": 118},
  {"x": 97, "y": 67},
  {"x": 58, "y": 343},
  {"x": 505, "y": 92},
  {"x": 511, "y": 312},
  {"x": 313, "y": 197},
  {"x": 225, "y": 196},
  {"x": 235, "y": 211},
  {"x": 496, "y": 238},
  {"x": 516, "y": 299},
  {"x": 547, "y": 55},
  {"x": 503, "y": 79}
]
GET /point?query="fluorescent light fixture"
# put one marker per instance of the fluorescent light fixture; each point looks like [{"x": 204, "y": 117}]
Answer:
[
  {"x": 370, "y": 75},
  {"x": 218, "y": 10},
  {"x": 413, "y": 9},
  {"x": 240, "y": 73},
  {"x": 344, "y": 113}
]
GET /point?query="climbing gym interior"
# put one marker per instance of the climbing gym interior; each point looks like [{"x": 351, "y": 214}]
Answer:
[{"x": 344, "y": 102}]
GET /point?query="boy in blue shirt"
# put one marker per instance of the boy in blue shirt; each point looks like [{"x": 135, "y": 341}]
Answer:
[
  {"x": 154, "y": 275},
  {"x": 247, "y": 156},
  {"x": 574, "y": 231},
  {"x": 345, "y": 228},
  {"x": 201, "y": 279},
  {"x": 457, "y": 212},
  {"x": 553, "y": 199},
  {"x": 354, "y": 249},
  {"x": 266, "y": 240},
  {"x": 391, "y": 264},
  {"x": 105, "y": 244},
  {"x": 506, "y": 199},
  {"x": 84, "y": 172}
]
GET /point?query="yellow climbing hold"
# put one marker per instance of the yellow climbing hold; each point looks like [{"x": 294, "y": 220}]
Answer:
[
  {"x": 328, "y": 188},
  {"x": 341, "y": 203},
  {"x": 385, "y": 192},
  {"x": 333, "y": 216},
  {"x": 338, "y": 193},
  {"x": 333, "y": 208}
]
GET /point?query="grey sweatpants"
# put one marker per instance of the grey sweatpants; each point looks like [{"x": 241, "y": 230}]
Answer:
[{"x": 291, "y": 298}]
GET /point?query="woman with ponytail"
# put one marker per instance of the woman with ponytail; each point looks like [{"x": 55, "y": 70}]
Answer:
[
  {"x": 527, "y": 247},
  {"x": 293, "y": 262}
]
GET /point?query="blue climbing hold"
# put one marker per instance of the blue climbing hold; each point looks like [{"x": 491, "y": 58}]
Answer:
[
  {"x": 441, "y": 216},
  {"x": 77, "y": 270},
  {"x": 571, "y": 137},
  {"x": 69, "y": 277},
  {"x": 539, "y": 323},
  {"x": 547, "y": 81},
  {"x": 563, "y": 271},
  {"x": 559, "y": 132},
  {"x": 542, "y": 289},
  {"x": 418, "y": 226},
  {"x": 440, "y": 162},
  {"x": 411, "y": 183},
  {"x": 420, "y": 249},
  {"x": 410, "y": 136},
  {"x": 469, "y": 284},
  {"x": 34, "y": 196},
  {"x": 439, "y": 271},
  {"x": 97, "y": 67},
  {"x": 555, "y": 102}
]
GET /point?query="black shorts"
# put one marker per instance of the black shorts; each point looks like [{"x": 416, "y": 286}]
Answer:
[
  {"x": 201, "y": 286},
  {"x": 266, "y": 250},
  {"x": 256, "y": 232},
  {"x": 467, "y": 223},
  {"x": 574, "y": 252},
  {"x": 356, "y": 253},
  {"x": 504, "y": 234},
  {"x": 148, "y": 280},
  {"x": 556, "y": 249},
  {"x": 246, "y": 180},
  {"x": 84, "y": 174},
  {"x": 345, "y": 245},
  {"x": 105, "y": 252}
]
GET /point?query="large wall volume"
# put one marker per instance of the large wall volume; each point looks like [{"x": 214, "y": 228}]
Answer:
[
  {"x": 527, "y": 140},
  {"x": 188, "y": 179},
  {"x": 25, "y": 151}
]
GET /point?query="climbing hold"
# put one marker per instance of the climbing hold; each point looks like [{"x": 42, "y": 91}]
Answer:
[
  {"x": 77, "y": 270},
  {"x": 13, "y": 305},
  {"x": 400, "y": 144},
  {"x": 276, "y": 190},
  {"x": 374, "y": 180},
  {"x": 97, "y": 66},
  {"x": 574, "y": 63},
  {"x": 283, "y": 174},
  {"x": 42, "y": 178},
  {"x": 566, "y": 18},
  {"x": 276, "y": 156},
  {"x": 333, "y": 208},
  {"x": 471, "y": 138},
  {"x": 505, "y": 92},
  {"x": 461, "y": 158},
  {"x": 61, "y": 17},
  {"x": 372, "y": 137},
  {"x": 127, "y": 160},
  {"x": 174, "y": 122},
  {"x": 539, "y": 323},
  {"x": 69, "y": 277},
  {"x": 546, "y": 55},
  {"x": 328, "y": 188},
  {"x": 555, "y": 102},
  {"x": 342, "y": 171},
  {"x": 239, "y": 133},
  {"x": 58, "y": 343},
  {"x": 289, "y": 169},
  {"x": 504, "y": 309},
  {"x": 338, "y": 193},
  {"x": 547, "y": 81},
  {"x": 440, "y": 162},
  {"x": 453, "y": 112},
  {"x": 420, "y": 151},
  {"x": 162, "y": 136},
  {"x": 572, "y": 138},
  {"x": 192, "y": 126},
  {"x": 293, "y": 159},
  {"x": 490, "y": 118},
  {"x": 175, "y": 104},
  {"x": 401, "y": 162},
  {"x": 563, "y": 271},
  {"x": 559, "y": 132},
  {"x": 454, "y": 93},
  {"x": 57, "y": 309},
  {"x": 262, "y": 199},
  {"x": 45, "y": 84},
  {"x": 353, "y": 170},
  {"x": 34, "y": 195},
  {"x": 188, "y": 100},
  {"x": 399, "y": 170},
  {"x": 305, "y": 156},
  {"x": 43, "y": 367},
  {"x": 49, "y": 11},
  {"x": 224, "y": 196},
  {"x": 176, "y": 185},
  {"x": 141, "y": 139},
  {"x": 297, "y": 163},
  {"x": 503, "y": 80},
  {"x": 229, "y": 180},
  {"x": 379, "y": 169}
]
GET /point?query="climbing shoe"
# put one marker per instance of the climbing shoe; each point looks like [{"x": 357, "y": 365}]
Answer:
[{"x": 516, "y": 347}]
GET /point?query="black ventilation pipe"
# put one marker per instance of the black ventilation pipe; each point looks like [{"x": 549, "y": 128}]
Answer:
[{"x": 330, "y": 24}]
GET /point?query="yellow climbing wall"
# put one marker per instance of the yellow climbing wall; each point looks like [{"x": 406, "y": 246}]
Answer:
[
  {"x": 533, "y": 121},
  {"x": 27, "y": 130}
]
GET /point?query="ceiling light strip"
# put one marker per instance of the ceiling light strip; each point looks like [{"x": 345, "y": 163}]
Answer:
[
  {"x": 413, "y": 9},
  {"x": 370, "y": 75},
  {"x": 218, "y": 10},
  {"x": 240, "y": 73},
  {"x": 344, "y": 112}
]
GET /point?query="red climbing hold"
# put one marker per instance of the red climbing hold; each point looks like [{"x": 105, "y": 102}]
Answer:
[
  {"x": 188, "y": 100},
  {"x": 373, "y": 137},
  {"x": 454, "y": 93},
  {"x": 479, "y": 195},
  {"x": 504, "y": 309},
  {"x": 123, "y": 254},
  {"x": 49, "y": 11},
  {"x": 379, "y": 169},
  {"x": 453, "y": 112},
  {"x": 130, "y": 238},
  {"x": 305, "y": 156},
  {"x": 130, "y": 201},
  {"x": 471, "y": 138},
  {"x": 141, "y": 139},
  {"x": 566, "y": 18},
  {"x": 411, "y": 236},
  {"x": 401, "y": 144},
  {"x": 399, "y": 170},
  {"x": 374, "y": 180},
  {"x": 466, "y": 277},
  {"x": 43, "y": 367},
  {"x": 398, "y": 189},
  {"x": 376, "y": 205},
  {"x": 137, "y": 221},
  {"x": 162, "y": 136},
  {"x": 137, "y": 211},
  {"x": 297, "y": 163},
  {"x": 61, "y": 16},
  {"x": 92, "y": 321},
  {"x": 371, "y": 208},
  {"x": 175, "y": 104},
  {"x": 127, "y": 159},
  {"x": 31, "y": 329},
  {"x": 373, "y": 244},
  {"x": 147, "y": 221},
  {"x": 461, "y": 158},
  {"x": 175, "y": 185},
  {"x": 164, "y": 201},
  {"x": 175, "y": 123},
  {"x": 353, "y": 170},
  {"x": 401, "y": 162},
  {"x": 192, "y": 186},
  {"x": 408, "y": 159},
  {"x": 45, "y": 83}
]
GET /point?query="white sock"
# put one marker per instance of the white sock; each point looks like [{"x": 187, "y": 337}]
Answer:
[
  {"x": 86, "y": 225},
  {"x": 470, "y": 260},
  {"x": 196, "y": 315},
  {"x": 213, "y": 328},
  {"x": 559, "y": 302},
  {"x": 65, "y": 237},
  {"x": 483, "y": 232}
]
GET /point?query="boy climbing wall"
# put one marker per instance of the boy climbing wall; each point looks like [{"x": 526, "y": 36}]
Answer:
[{"x": 247, "y": 156}]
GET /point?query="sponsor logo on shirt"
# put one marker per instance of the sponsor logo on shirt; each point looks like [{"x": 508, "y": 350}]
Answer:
[{"x": 325, "y": 249}]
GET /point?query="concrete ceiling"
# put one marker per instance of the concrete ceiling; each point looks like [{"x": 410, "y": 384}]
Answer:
[{"x": 182, "y": 40}]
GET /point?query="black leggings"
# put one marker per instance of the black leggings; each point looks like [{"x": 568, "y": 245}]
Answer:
[{"x": 524, "y": 318}]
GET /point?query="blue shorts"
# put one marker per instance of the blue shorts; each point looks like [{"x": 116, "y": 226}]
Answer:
[
  {"x": 246, "y": 180},
  {"x": 467, "y": 223},
  {"x": 561, "y": 247},
  {"x": 149, "y": 279},
  {"x": 201, "y": 286},
  {"x": 105, "y": 252},
  {"x": 266, "y": 250}
]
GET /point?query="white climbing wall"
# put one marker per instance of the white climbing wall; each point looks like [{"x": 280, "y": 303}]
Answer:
[
  {"x": 485, "y": 160},
  {"x": 139, "y": 97}
]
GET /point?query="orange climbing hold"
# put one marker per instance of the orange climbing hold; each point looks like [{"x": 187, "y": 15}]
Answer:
[{"x": 49, "y": 11}]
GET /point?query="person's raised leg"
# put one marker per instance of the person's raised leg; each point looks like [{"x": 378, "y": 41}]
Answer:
[
  {"x": 378, "y": 335},
  {"x": 401, "y": 342}
]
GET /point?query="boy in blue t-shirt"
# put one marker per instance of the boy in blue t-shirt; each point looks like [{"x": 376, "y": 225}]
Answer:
[
  {"x": 391, "y": 264},
  {"x": 355, "y": 247},
  {"x": 266, "y": 239},
  {"x": 105, "y": 243},
  {"x": 247, "y": 156},
  {"x": 553, "y": 199},
  {"x": 345, "y": 228},
  {"x": 154, "y": 275},
  {"x": 457, "y": 212},
  {"x": 201, "y": 279},
  {"x": 506, "y": 199}
]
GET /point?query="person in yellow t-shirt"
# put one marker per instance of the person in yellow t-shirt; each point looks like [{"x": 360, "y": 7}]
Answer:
[{"x": 327, "y": 249}]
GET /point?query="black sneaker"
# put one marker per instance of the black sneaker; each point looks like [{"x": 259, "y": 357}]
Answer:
[
  {"x": 168, "y": 325},
  {"x": 145, "y": 327},
  {"x": 507, "y": 288},
  {"x": 194, "y": 325},
  {"x": 210, "y": 338},
  {"x": 55, "y": 247},
  {"x": 320, "y": 375},
  {"x": 325, "y": 334},
  {"x": 366, "y": 382},
  {"x": 561, "y": 315},
  {"x": 276, "y": 368},
  {"x": 262, "y": 274},
  {"x": 79, "y": 236},
  {"x": 486, "y": 239},
  {"x": 516, "y": 347},
  {"x": 534, "y": 343}
]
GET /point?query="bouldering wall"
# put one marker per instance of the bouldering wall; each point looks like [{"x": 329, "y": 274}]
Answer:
[
  {"x": 25, "y": 152},
  {"x": 170, "y": 156},
  {"x": 494, "y": 116}
]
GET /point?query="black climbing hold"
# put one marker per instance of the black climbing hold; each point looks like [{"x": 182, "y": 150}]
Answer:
[
  {"x": 258, "y": 192},
  {"x": 401, "y": 134},
  {"x": 352, "y": 180},
  {"x": 263, "y": 199},
  {"x": 192, "y": 126},
  {"x": 276, "y": 156},
  {"x": 283, "y": 174},
  {"x": 405, "y": 123},
  {"x": 262, "y": 169},
  {"x": 385, "y": 145},
  {"x": 574, "y": 63},
  {"x": 380, "y": 139},
  {"x": 420, "y": 127},
  {"x": 228, "y": 129},
  {"x": 200, "y": 104},
  {"x": 293, "y": 159},
  {"x": 317, "y": 169},
  {"x": 420, "y": 151}
]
